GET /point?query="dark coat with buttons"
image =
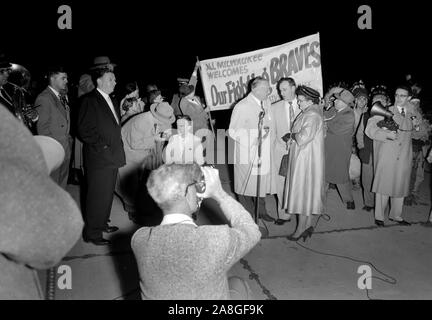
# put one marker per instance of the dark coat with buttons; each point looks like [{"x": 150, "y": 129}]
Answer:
[
  {"x": 338, "y": 145},
  {"x": 100, "y": 132}
]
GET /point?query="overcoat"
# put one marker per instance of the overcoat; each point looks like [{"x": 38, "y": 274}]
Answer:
[
  {"x": 338, "y": 146},
  {"x": 243, "y": 129},
  {"x": 392, "y": 159}
]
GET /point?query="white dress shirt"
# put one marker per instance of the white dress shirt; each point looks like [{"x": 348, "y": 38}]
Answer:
[
  {"x": 175, "y": 218},
  {"x": 108, "y": 100}
]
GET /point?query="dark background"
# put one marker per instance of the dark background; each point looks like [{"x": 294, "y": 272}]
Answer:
[{"x": 159, "y": 41}]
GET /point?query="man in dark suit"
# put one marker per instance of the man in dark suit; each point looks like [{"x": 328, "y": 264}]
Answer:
[
  {"x": 54, "y": 118},
  {"x": 99, "y": 129}
]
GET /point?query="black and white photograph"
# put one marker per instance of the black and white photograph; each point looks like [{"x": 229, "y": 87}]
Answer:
[{"x": 210, "y": 151}]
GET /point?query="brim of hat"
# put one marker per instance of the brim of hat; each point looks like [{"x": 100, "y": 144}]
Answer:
[
  {"x": 5, "y": 65},
  {"x": 169, "y": 120},
  {"x": 52, "y": 151},
  {"x": 102, "y": 66},
  {"x": 338, "y": 96}
]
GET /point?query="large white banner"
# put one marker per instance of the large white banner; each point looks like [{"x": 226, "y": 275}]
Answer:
[{"x": 225, "y": 80}]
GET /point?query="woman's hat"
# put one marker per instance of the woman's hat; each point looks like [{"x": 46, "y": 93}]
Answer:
[
  {"x": 52, "y": 151},
  {"x": 102, "y": 62},
  {"x": 186, "y": 89},
  {"x": 308, "y": 92},
  {"x": 163, "y": 112}
]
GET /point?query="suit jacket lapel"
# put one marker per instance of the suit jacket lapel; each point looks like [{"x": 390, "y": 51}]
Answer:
[
  {"x": 58, "y": 103},
  {"x": 107, "y": 107}
]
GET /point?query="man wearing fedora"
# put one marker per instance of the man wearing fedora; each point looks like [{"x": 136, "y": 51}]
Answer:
[
  {"x": 143, "y": 138},
  {"x": 338, "y": 145},
  {"x": 100, "y": 130},
  {"x": 54, "y": 118}
]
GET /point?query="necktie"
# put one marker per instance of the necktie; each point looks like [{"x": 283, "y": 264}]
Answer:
[
  {"x": 5, "y": 96},
  {"x": 291, "y": 114},
  {"x": 64, "y": 101},
  {"x": 403, "y": 112}
]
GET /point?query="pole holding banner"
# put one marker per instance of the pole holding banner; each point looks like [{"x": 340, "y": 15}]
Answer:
[{"x": 208, "y": 111}]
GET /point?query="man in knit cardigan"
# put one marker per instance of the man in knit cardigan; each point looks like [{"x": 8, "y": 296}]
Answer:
[{"x": 180, "y": 260}]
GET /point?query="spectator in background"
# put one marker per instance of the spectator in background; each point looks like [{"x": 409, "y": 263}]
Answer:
[
  {"x": 340, "y": 122},
  {"x": 365, "y": 148},
  {"x": 175, "y": 102},
  {"x": 190, "y": 105},
  {"x": 143, "y": 139},
  {"x": 184, "y": 147},
  {"x": 360, "y": 94},
  {"x": 54, "y": 118},
  {"x": 420, "y": 139},
  {"x": 153, "y": 96},
  {"x": 131, "y": 103}
]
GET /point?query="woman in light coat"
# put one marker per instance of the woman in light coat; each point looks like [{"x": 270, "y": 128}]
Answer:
[{"x": 304, "y": 186}]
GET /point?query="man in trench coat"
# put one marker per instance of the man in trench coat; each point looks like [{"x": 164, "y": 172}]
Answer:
[
  {"x": 392, "y": 157},
  {"x": 243, "y": 129}
]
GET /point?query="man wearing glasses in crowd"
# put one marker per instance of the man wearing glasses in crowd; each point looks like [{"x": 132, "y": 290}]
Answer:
[{"x": 393, "y": 157}]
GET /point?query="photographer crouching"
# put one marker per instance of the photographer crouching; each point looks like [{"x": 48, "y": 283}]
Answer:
[{"x": 180, "y": 260}]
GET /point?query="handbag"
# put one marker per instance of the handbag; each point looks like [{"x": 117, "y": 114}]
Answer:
[{"x": 283, "y": 169}]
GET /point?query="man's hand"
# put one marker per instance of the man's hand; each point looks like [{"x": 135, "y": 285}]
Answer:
[
  {"x": 392, "y": 135},
  {"x": 213, "y": 183},
  {"x": 286, "y": 137}
]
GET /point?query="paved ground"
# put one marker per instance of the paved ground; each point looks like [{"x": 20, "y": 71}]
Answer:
[{"x": 324, "y": 267}]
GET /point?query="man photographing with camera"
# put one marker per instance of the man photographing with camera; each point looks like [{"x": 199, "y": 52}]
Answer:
[{"x": 180, "y": 260}]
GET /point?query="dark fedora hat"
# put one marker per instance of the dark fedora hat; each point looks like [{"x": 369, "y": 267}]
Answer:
[{"x": 102, "y": 62}]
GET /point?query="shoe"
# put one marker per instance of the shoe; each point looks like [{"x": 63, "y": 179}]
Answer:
[
  {"x": 427, "y": 224},
  {"x": 305, "y": 234},
  {"x": 367, "y": 208},
  {"x": 401, "y": 222},
  {"x": 280, "y": 222},
  {"x": 379, "y": 223},
  {"x": 99, "y": 242},
  {"x": 350, "y": 205},
  {"x": 110, "y": 229},
  {"x": 266, "y": 217}
]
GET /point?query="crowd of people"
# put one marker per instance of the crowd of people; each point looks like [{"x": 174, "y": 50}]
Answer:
[
  {"x": 295, "y": 149},
  {"x": 310, "y": 145}
]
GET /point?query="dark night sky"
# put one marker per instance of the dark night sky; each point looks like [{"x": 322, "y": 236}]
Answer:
[{"x": 159, "y": 42}]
